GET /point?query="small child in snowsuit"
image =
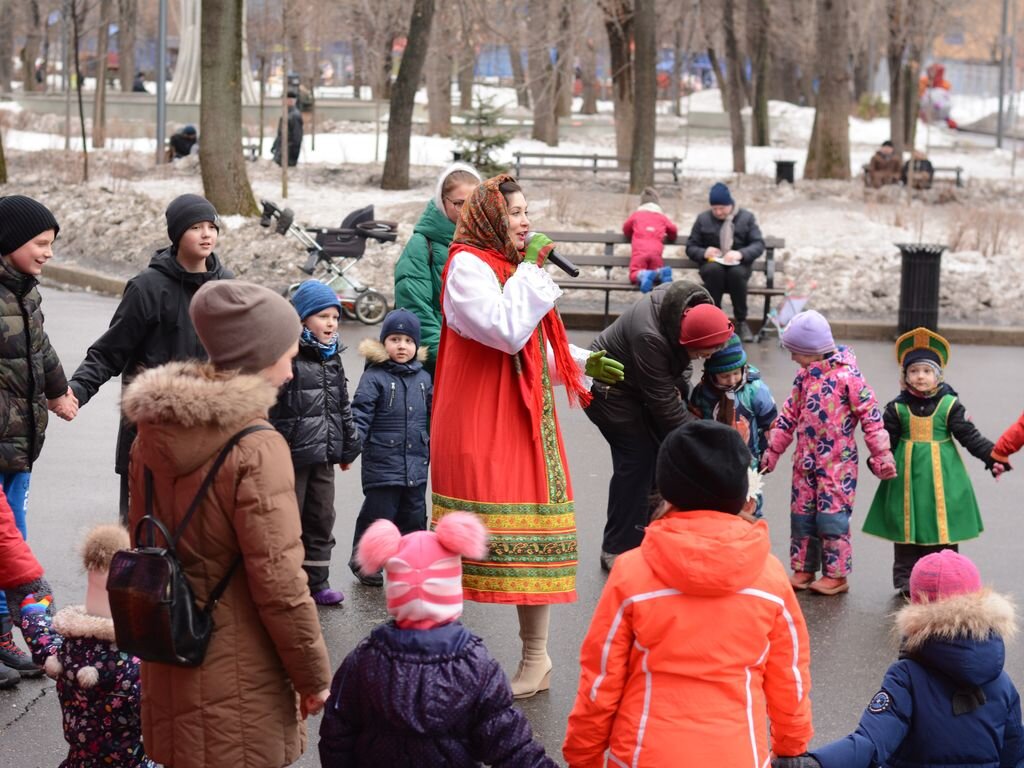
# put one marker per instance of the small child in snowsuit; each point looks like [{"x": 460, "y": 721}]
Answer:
[
  {"x": 422, "y": 689},
  {"x": 647, "y": 228},
  {"x": 948, "y": 700},
  {"x": 732, "y": 392},
  {"x": 829, "y": 397},
  {"x": 33, "y": 378},
  {"x": 98, "y": 686},
  {"x": 914, "y": 511},
  {"x": 1008, "y": 443},
  {"x": 314, "y": 415},
  {"x": 391, "y": 408}
]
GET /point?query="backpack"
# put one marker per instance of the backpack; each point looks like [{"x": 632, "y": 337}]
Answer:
[{"x": 151, "y": 600}]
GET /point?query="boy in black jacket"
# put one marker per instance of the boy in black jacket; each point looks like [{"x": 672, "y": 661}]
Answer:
[
  {"x": 314, "y": 415},
  {"x": 151, "y": 325},
  {"x": 392, "y": 413}
]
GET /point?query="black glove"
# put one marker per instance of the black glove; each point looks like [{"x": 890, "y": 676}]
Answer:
[{"x": 800, "y": 761}]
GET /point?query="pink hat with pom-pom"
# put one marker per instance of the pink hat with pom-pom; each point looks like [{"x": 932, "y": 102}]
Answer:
[{"x": 423, "y": 570}]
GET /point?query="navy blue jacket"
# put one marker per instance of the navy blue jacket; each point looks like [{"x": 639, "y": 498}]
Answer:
[
  {"x": 313, "y": 411},
  {"x": 910, "y": 722},
  {"x": 412, "y": 698},
  {"x": 391, "y": 409}
]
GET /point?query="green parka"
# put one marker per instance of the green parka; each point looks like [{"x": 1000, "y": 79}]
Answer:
[
  {"x": 418, "y": 276},
  {"x": 30, "y": 371}
]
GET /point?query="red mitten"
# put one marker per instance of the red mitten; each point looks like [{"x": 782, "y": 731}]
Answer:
[{"x": 768, "y": 461}]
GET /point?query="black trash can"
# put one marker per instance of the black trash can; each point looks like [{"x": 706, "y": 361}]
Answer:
[
  {"x": 784, "y": 171},
  {"x": 919, "y": 286}
]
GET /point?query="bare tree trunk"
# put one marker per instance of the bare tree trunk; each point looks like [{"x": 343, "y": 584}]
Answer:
[
  {"x": 828, "y": 156},
  {"x": 6, "y": 46},
  {"x": 894, "y": 57},
  {"x": 645, "y": 78},
  {"x": 911, "y": 102},
  {"x": 467, "y": 68},
  {"x": 358, "y": 67},
  {"x": 541, "y": 75},
  {"x": 99, "y": 107},
  {"x": 403, "y": 93},
  {"x": 384, "y": 83},
  {"x": 225, "y": 182},
  {"x": 565, "y": 71},
  {"x": 759, "y": 19},
  {"x": 618, "y": 26},
  {"x": 439, "y": 75},
  {"x": 588, "y": 76},
  {"x": 3, "y": 161},
  {"x": 298, "y": 16},
  {"x": 723, "y": 86},
  {"x": 677, "y": 69},
  {"x": 30, "y": 52},
  {"x": 515, "y": 55},
  {"x": 128, "y": 20},
  {"x": 734, "y": 73},
  {"x": 77, "y": 22}
]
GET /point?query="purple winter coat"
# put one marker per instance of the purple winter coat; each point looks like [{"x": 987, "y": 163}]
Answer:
[{"x": 407, "y": 698}]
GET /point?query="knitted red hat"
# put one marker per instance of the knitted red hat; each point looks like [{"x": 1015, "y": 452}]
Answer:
[
  {"x": 943, "y": 574},
  {"x": 704, "y": 326}
]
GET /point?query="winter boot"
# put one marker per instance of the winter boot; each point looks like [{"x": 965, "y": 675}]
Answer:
[
  {"x": 829, "y": 585},
  {"x": 746, "y": 335},
  {"x": 367, "y": 580},
  {"x": 645, "y": 279},
  {"x": 534, "y": 673},
  {"x": 8, "y": 677},
  {"x": 328, "y": 596},
  {"x": 665, "y": 275},
  {"x": 11, "y": 655}
]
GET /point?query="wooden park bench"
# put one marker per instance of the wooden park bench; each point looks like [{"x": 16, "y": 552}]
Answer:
[
  {"x": 553, "y": 161},
  {"x": 608, "y": 260},
  {"x": 956, "y": 170}
]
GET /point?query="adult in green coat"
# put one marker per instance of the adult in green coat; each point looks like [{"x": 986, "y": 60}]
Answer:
[{"x": 418, "y": 271}]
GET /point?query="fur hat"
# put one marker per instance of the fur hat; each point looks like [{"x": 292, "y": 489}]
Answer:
[
  {"x": 243, "y": 326},
  {"x": 703, "y": 465},
  {"x": 423, "y": 570},
  {"x": 100, "y": 545},
  {"x": 808, "y": 333},
  {"x": 942, "y": 575},
  {"x": 21, "y": 219},
  {"x": 704, "y": 326}
]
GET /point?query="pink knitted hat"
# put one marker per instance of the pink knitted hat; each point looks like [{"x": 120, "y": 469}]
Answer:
[
  {"x": 423, "y": 570},
  {"x": 943, "y": 574},
  {"x": 808, "y": 333}
]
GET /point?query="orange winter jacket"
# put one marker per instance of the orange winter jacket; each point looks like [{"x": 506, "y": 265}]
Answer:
[
  {"x": 1010, "y": 442},
  {"x": 696, "y": 640}
]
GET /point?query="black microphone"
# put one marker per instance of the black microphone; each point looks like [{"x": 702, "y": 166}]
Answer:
[{"x": 557, "y": 259}]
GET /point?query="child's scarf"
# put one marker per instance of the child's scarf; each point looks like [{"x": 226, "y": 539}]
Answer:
[{"x": 326, "y": 350}]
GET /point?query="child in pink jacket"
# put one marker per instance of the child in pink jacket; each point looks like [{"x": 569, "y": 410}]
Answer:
[
  {"x": 648, "y": 227},
  {"x": 829, "y": 397}
]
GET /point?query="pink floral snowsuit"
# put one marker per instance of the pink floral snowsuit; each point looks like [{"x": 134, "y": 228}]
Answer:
[{"x": 829, "y": 397}]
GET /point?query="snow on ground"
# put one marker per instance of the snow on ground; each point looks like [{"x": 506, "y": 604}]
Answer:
[{"x": 840, "y": 237}]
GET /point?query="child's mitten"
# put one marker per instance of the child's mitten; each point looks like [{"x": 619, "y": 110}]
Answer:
[
  {"x": 768, "y": 461},
  {"x": 37, "y": 592},
  {"x": 883, "y": 466}
]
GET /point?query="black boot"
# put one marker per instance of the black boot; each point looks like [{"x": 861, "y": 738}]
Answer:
[
  {"x": 746, "y": 335},
  {"x": 8, "y": 677},
  {"x": 11, "y": 655}
]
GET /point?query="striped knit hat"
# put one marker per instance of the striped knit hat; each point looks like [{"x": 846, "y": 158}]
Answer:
[
  {"x": 423, "y": 570},
  {"x": 728, "y": 358}
]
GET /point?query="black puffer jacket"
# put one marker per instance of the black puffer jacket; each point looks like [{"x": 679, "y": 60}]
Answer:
[
  {"x": 645, "y": 339},
  {"x": 313, "y": 411},
  {"x": 391, "y": 409},
  {"x": 30, "y": 371},
  {"x": 150, "y": 327},
  {"x": 706, "y": 232}
]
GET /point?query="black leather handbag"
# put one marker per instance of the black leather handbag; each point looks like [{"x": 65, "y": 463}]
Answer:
[{"x": 151, "y": 600}]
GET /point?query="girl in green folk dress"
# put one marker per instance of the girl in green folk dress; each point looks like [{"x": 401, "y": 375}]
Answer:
[{"x": 930, "y": 504}]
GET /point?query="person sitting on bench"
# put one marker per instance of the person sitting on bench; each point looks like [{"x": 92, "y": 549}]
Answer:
[
  {"x": 182, "y": 143},
  {"x": 923, "y": 173},
  {"x": 724, "y": 243},
  {"x": 884, "y": 167}
]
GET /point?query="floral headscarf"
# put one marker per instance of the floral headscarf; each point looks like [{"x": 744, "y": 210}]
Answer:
[{"x": 483, "y": 223}]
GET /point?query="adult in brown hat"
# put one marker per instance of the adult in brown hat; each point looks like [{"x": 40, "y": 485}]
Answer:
[{"x": 266, "y": 667}]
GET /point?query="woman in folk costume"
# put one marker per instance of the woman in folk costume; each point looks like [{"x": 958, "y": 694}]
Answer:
[
  {"x": 930, "y": 504},
  {"x": 496, "y": 448}
]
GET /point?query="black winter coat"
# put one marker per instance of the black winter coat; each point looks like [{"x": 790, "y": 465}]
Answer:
[
  {"x": 706, "y": 233},
  {"x": 30, "y": 371},
  {"x": 313, "y": 410},
  {"x": 150, "y": 327},
  {"x": 295, "y": 127},
  {"x": 959, "y": 423},
  {"x": 413, "y": 698},
  {"x": 391, "y": 409},
  {"x": 645, "y": 339}
]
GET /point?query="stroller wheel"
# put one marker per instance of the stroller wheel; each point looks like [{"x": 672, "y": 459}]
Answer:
[
  {"x": 348, "y": 310},
  {"x": 371, "y": 307}
]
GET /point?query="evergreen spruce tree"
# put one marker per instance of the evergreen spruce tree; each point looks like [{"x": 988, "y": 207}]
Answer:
[{"x": 480, "y": 137}]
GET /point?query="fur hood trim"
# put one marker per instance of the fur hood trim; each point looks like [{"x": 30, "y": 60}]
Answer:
[
  {"x": 375, "y": 353},
  {"x": 194, "y": 394},
  {"x": 653, "y": 207},
  {"x": 973, "y": 616},
  {"x": 73, "y": 621}
]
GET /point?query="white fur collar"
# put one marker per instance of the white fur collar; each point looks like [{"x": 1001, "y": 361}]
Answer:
[
  {"x": 974, "y": 616},
  {"x": 73, "y": 621}
]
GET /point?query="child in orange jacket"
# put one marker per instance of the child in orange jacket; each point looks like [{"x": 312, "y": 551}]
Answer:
[
  {"x": 1010, "y": 442},
  {"x": 698, "y": 639}
]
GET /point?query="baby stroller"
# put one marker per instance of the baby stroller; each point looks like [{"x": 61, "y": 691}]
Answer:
[
  {"x": 346, "y": 245},
  {"x": 779, "y": 317}
]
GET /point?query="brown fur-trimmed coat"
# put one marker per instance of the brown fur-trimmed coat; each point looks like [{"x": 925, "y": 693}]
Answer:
[{"x": 239, "y": 708}]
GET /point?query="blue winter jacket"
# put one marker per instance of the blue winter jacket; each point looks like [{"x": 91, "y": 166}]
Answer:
[
  {"x": 754, "y": 402},
  {"x": 391, "y": 409},
  {"x": 911, "y": 721},
  {"x": 413, "y": 698}
]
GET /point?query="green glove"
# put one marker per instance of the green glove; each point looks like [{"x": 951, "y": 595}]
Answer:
[
  {"x": 538, "y": 249},
  {"x": 604, "y": 369}
]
